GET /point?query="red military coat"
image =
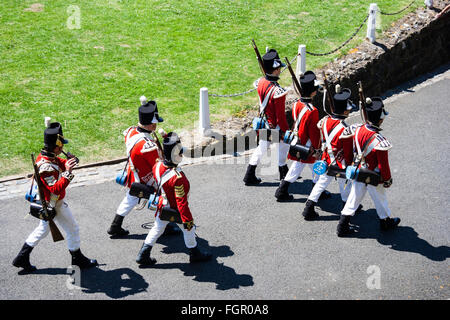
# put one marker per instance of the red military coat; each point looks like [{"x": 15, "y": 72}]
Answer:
[
  {"x": 176, "y": 189},
  {"x": 378, "y": 147},
  {"x": 143, "y": 153},
  {"x": 307, "y": 129},
  {"x": 275, "y": 109},
  {"x": 54, "y": 176},
  {"x": 342, "y": 149}
]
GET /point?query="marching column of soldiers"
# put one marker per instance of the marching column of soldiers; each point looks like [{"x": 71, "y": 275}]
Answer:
[{"x": 355, "y": 156}]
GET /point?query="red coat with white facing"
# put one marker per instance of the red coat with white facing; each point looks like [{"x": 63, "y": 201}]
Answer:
[
  {"x": 307, "y": 129},
  {"x": 54, "y": 176},
  {"x": 143, "y": 153},
  {"x": 176, "y": 190},
  {"x": 378, "y": 156},
  {"x": 275, "y": 109},
  {"x": 342, "y": 148}
]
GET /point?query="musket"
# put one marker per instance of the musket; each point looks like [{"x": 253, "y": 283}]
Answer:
[
  {"x": 258, "y": 56},
  {"x": 56, "y": 234},
  {"x": 297, "y": 84},
  {"x": 362, "y": 101},
  {"x": 328, "y": 93}
]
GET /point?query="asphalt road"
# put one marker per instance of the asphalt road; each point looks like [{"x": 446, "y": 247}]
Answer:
[{"x": 263, "y": 249}]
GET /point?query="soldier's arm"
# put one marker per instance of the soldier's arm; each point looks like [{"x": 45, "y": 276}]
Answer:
[
  {"x": 280, "y": 108},
  {"x": 181, "y": 190},
  {"x": 383, "y": 165},
  {"x": 313, "y": 130},
  {"x": 51, "y": 183}
]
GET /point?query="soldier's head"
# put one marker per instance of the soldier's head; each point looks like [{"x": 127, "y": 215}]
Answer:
[
  {"x": 272, "y": 63},
  {"x": 342, "y": 103},
  {"x": 148, "y": 114},
  {"x": 308, "y": 84},
  {"x": 172, "y": 148},
  {"x": 375, "y": 111},
  {"x": 54, "y": 140}
]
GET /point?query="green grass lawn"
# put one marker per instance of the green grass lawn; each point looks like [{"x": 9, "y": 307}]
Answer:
[{"x": 90, "y": 79}]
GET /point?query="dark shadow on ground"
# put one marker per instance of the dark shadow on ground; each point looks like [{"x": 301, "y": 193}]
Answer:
[
  {"x": 403, "y": 238},
  {"x": 224, "y": 277},
  {"x": 118, "y": 283}
]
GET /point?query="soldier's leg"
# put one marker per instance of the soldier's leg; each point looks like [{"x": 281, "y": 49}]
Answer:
[
  {"x": 315, "y": 177},
  {"x": 283, "y": 150},
  {"x": 250, "y": 176},
  {"x": 195, "y": 254},
  {"x": 308, "y": 212},
  {"x": 294, "y": 172},
  {"x": 344, "y": 188},
  {"x": 379, "y": 198},
  {"x": 125, "y": 207},
  {"x": 66, "y": 220},
  {"x": 355, "y": 197},
  {"x": 143, "y": 257},
  {"x": 22, "y": 260}
]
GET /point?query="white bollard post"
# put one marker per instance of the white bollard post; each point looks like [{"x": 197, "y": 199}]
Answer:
[
  {"x": 204, "y": 123},
  {"x": 371, "y": 22},
  {"x": 429, "y": 3},
  {"x": 301, "y": 60}
]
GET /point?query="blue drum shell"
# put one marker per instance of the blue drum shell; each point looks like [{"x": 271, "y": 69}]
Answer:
[{"x": 121, "y": 178}]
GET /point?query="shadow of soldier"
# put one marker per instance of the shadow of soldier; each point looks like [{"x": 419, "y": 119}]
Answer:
[
  {"x": 224, "y": 277},
  {"x": 118, "y": 283},
  {"x": 403, "y": 238}
]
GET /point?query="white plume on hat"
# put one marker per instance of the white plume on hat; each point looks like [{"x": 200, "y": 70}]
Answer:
[
  {"x": 368, "y": 101},
  {"x": 47, "y": 121},
  {"x": 143, "y": 100},
  {"x": 338, "y": 88}
]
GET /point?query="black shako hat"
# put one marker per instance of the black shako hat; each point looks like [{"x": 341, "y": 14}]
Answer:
[
  {"x": 148, "y": 113},
  {"x": 375, "y": 110},
  {"x": 172, "y": 148},
  {"x": 271, "y": 61},
  {"x": 307, "y": 83},
  {"x": 53, "y": 136},
  {"x": 340, "y": 100}
]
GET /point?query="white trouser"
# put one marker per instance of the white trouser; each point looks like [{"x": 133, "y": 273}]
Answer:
[
  {"x": 283, "y": 150},
  {"x": 65, "y": 220},
  {"x": 322, "y": 184},
  {"x": 357, "y": 193},
  {"x": 127, "y": 204},
  {"x": 158, "y": 230},
  {"x": 296, "y": 169}
]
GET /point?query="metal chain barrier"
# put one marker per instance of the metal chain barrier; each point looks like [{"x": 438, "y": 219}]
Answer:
[
  {"x": 394, "y": 13},
  {"x": 347, "y": 41}
]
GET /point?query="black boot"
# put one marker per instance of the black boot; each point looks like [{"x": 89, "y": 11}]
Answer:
[
  {"x": 309, "y": 213},
  {"x": 78, "y": 259},
  {"x": 324, "y": 195},
  {"x": 171, "y": 229},
  {"x": 143, "y": 257},
  {"x": 357, "y": 210},
  {"x": 343, "y": 228},
  {"x": 116, "y": 230},
  {"x": 282, "y": 193},
  {"x": 250, "y": 178},
  {"x": 23, "y": 259},
  {"x": 389, "y": 223},
  {"x": 283, "y": 170},
  {"x": 196, "y": 255}
]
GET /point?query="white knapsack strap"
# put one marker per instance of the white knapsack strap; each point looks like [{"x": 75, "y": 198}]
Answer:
[
  {"x": 299, "y": 118},
  {"x": 263, "y": 105},
  {"x": 368, "y": 147},
  {"x": 329, "y": 138}
]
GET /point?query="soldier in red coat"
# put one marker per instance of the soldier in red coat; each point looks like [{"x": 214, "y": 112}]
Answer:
[
  {"x": 306, "y": 117},
  {"x": 372, "y": 154},
  {"x": 337, "y": 152},
  {"x": 142, "y": 154},
  {"x": 272, "y": 99},
  {"x": 173, "y": 182},
  {"x": 56, "y": 175}
]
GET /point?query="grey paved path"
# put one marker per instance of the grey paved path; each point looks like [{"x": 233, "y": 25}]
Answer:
[{"x": 262, "y": 249}]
